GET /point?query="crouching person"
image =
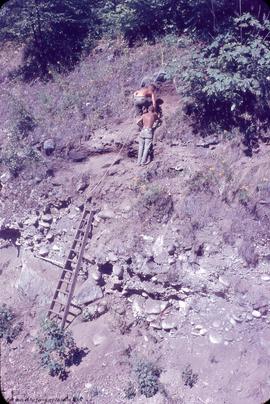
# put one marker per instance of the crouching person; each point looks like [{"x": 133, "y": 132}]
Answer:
[{"x": 144, "y": 97}]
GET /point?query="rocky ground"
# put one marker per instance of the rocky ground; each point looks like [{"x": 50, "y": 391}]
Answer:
[{"x": 176, "y": 273}]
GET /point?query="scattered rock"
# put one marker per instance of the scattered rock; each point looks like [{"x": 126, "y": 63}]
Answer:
[
  {"x": 156, "y": 325},
  {"x": 98, "y": 339},
  {"x": 50, "y": 236},
  {"x": 138, "y": 306},
  {"x": 118, "y": 271},
  {"x": 96, "y": 275},
  {"x": 256, "y": 314},
  {"x": 46, "y": 225},
  {"x": 168, "y": 324},
  {"x": 112, "y": 257},
  {"x": 43, "y": 251},
  {"x": 158, "y": 245},
  {"x": 146, "y": 81},
  {"x": 265, "y": 278},
  {"x": 31, "y": 221},
  {"x": 106, "y": 214},
  {"x": 82, "y": 185},
  {"x": 224, "y": 281},
  {"x": 171, "y": 249},
  {"x": 114, "y": 283},
  {"x": 155, "y": 306},
  {"x": 215, "y": 338},
  {"x": 162, "y": 76},
  {"x": 78, "y": 155},
  {"x": 203, "y": 331},
  {"x": 49, "y": 146},
  {"x": 47, "y": 218}
]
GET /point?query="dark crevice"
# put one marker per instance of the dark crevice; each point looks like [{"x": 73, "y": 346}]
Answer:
[
  {"x": 106, "y": 268},
  {"x": 10, "y": 233}
]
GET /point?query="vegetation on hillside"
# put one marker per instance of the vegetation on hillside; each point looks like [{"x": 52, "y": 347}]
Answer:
[
  {"x": 10, "y": 328},
  {"x": 227, "y": 81},
  {"x": 56, "y": 347}
]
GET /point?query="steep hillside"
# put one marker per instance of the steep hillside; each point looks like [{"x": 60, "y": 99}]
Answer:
[{"x": 177, "y": 271}]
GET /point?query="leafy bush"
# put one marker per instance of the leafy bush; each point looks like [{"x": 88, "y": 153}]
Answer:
[
  {"x": 8, "y": 329},
  {"x": 56, "y": 348},
  {"x": 148, "y": 377},
  {"x": 15, "y": 155},
  {"x": 146, "y": 19},
  {"x": 157, "y": 203},
  {"x": 203, "y": 181},
  {"x": 229, "y": 80},
  {"x": 23, "y": 121},
  {"x": 130, "y": 391},
  {"x": 189, "y": 377}
]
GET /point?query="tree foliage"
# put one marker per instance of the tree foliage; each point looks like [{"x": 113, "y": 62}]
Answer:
[
  {"x": 229, "y": 79},
  {"x": 55, "y": 32},
  {"x": 141, "y": 19},
  {"x": 58, "y": 32}
]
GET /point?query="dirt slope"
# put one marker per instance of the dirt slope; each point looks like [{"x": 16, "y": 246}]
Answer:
[{"x": 179, "y": 253}]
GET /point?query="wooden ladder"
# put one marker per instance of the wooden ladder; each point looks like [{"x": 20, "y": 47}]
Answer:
[{"x": 61, "y": 303}]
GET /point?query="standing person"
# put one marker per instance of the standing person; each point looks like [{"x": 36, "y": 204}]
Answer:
[
  {"x": 144, "y": 97},
  {"x": 148, "y": 122}
]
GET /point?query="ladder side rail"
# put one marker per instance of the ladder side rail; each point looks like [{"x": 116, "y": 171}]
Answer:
[
  {"x": 84, "y": 214},
  {"x": 85, "y": 237}
]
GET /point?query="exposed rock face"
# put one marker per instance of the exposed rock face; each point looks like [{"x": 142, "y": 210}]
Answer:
[
  {"x": 78, "y": 155},
  {"x": 33, "y": 282},
  {"x": 88, "y": 292}
]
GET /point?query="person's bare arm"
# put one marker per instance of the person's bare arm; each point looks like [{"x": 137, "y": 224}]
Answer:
[
  {"x": 140, "y": 122},
  {"x": 157, "y": 121},
  {"x": 154, "y": 99}
]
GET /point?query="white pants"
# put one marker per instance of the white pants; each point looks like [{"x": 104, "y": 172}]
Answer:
[{"x": 145, "y": 142}]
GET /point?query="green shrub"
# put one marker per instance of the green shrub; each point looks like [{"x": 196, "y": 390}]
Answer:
[
  {"x": 56, "y": 348},
  {"x": 130, "y": 391},
  {"x": 16, "y": 155},
  {"x": 228, "y": 81},
  {"x": 155, "y": 203},
  {"x": 89, "y": 313},
  {"x": 147, "y": 377},
  {"x": 203, "y": 181},
  {"x": 189, "y": 377},
  {"x": 8, "y": 329}
]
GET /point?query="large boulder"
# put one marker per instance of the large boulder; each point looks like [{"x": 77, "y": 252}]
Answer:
[
  {"x": 37, "y": 279},
  {"x": 88, "y": 292}
]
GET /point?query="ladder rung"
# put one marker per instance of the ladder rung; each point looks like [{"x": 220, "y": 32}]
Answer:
[
  {"x": 60, "y": 291},
  {"x": 57, "y": 301},
  {"x": 67, "y": 262},
  {"x": 54, "y": 312},
  {"x": 65, "y": 281}
]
